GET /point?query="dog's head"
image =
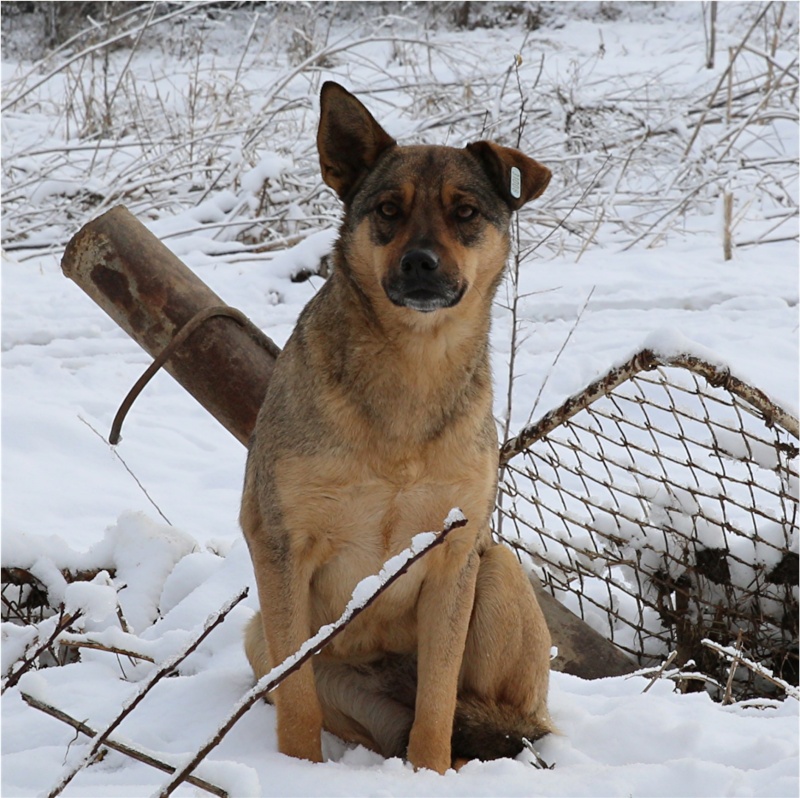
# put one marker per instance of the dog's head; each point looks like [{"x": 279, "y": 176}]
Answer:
[{"x": 426, "y": 226}]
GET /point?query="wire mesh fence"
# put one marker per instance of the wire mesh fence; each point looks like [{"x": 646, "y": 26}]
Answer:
[{"x": 661, "y": 506}]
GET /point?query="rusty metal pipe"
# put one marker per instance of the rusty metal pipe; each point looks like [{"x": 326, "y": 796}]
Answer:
[{"x": 224, "y": 364}]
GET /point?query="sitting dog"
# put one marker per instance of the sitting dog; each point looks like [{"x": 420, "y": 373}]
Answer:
[{"x": 377, "y": 421}]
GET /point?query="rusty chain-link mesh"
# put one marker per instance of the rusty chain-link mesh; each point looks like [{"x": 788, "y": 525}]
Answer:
[{"x": 660, "y": 505}]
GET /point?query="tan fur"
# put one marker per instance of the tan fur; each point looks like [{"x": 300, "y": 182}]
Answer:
[{"x": 377, "y": 421}]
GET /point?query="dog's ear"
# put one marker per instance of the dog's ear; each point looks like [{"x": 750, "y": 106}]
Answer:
[
  {"x": 516, "y": 177},
  {"x": 349, "y": 139}
]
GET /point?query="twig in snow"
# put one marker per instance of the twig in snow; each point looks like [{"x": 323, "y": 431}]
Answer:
[
  {"x": 95, "y": 645},
  {"x": 167, "y": 667},
  {"x": 28, "y": 660},
  {"x": 560, "y": 352},
  {"x": 390, "y": 573},
  {"x": 660, "y": 672},
  {"x": 726, "y": 698},
  {"x": 122, "y": 748},
  {"x": 679, "y": 675},
  {"x": 538, "y": 762},
  {"x": 727, "y": 223},
  {"x": 590, "y": 186}
]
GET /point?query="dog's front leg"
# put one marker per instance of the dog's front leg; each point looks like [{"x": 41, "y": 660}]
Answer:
[
  {"x": 443, "y": 614},
  {"x": 284, "y": 595}
]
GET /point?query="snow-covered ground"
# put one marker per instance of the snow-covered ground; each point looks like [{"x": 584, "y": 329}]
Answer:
[{"x": 161, "y": 509}]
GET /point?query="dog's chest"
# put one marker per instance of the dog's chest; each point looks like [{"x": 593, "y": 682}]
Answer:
[{"x": 347, "y": 517}]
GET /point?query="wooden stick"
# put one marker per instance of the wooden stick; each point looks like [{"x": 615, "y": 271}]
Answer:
[{"x": 122, "y": 748}]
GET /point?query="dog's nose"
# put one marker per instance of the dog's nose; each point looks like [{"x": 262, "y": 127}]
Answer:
[{"x": 419, "y": 261}]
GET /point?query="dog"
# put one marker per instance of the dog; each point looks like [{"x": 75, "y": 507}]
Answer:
[{"x": 376, "y": 422}]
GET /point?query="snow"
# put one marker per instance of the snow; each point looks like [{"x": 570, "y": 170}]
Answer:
[{"x": 157, "y": 516}]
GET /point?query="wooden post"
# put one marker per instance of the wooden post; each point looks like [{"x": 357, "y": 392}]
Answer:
[{"x": 151, "y": 294}]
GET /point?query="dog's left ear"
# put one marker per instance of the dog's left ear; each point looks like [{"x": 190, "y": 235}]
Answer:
[
  {"x": 516, "y": 177},
  {"x": 349, "y": 139}
]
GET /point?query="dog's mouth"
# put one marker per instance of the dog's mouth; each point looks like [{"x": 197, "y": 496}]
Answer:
[
  {"x": 420, "y": 284},
  {"x": 425, "y": 300}
]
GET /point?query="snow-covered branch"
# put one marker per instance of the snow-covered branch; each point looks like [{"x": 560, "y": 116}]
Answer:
[
  {"x": 734, "y": 655},
  {"x": 134, "y": 752}
]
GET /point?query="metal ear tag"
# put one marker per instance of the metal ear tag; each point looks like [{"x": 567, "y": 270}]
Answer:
[{"x": 516, "y": 183}]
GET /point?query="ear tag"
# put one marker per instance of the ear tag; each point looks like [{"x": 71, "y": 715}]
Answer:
[{"x": 516, "y": 183}]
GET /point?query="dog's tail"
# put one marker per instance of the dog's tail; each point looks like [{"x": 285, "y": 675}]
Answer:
[{"x": 490, "y": 730}]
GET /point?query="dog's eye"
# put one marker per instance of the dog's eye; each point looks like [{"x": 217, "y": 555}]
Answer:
[
  {"x": 388, "y": 210},
  {"x": 466, "y": 212}
]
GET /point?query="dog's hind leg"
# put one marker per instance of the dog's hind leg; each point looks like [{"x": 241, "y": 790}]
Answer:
[
  {"x": 505, "y": 670},
  {"x": 360, "y": 704}
]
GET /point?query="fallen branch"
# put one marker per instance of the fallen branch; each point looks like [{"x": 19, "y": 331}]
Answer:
[
  {"x": 391, "y": 572},
  {"x": 167, "y": 667},
  {"x": 123, "y": 748},
  {"x": 735, "y": 656}
]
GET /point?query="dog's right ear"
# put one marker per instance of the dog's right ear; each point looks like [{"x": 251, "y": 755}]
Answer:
[{"x": 349, "y": 139}]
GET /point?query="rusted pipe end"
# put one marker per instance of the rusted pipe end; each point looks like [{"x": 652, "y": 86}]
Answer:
[{"x": 152, "y": 295}]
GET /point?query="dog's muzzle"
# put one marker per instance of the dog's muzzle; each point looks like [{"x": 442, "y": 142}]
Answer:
[{"x": 420, "y": 284}]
